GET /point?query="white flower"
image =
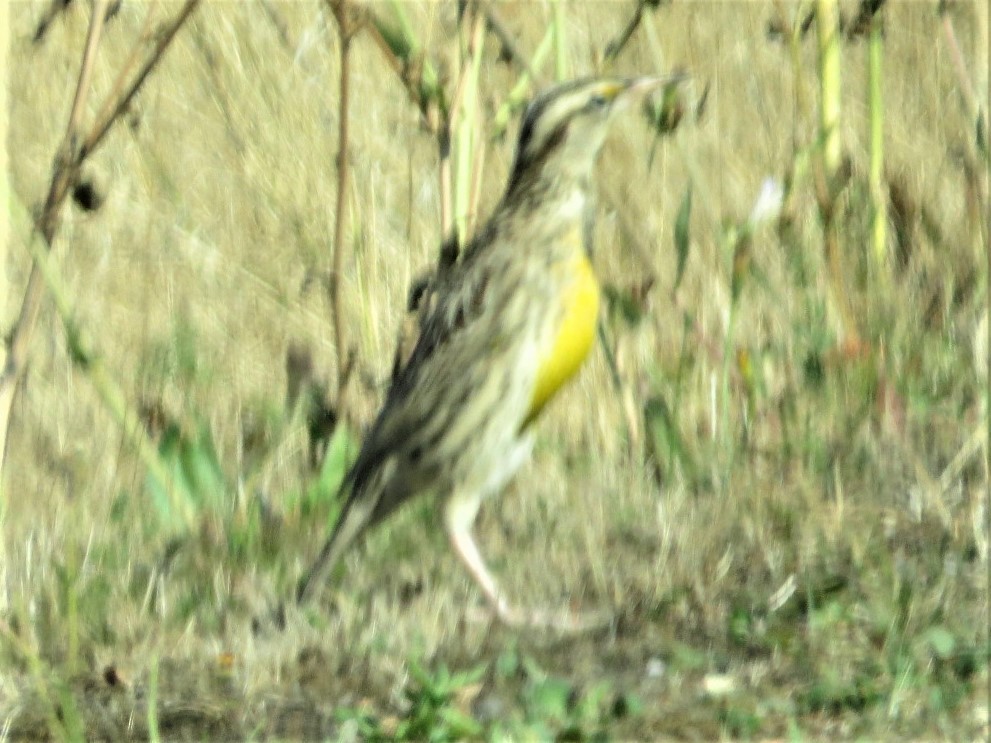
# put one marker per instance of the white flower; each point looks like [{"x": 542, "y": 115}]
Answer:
[{"x": 768, "y": 203}]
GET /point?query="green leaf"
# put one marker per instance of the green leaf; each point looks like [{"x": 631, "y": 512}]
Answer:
[
  {"x": 460, "y": 724},
  {"x": 201, "y": 467},
  {"x": 622, "y": 303},
  {"x": 341, "y": 451},
  {"x": 593, "y": 702},
  {"x": 665, "y": 443},
  {"x": 168, "y": 451},
  {"x": 507, "y": 664},
  {"x": 682, "y": 238},
  {"x": 941, "y": 641},
  {"x": 469, "y": 677},
  {"x": 686, "y": 658},
  {"x": 627, "y": 705},
  {"x": 667, "y": 113},
  {"x": 740, "y": 625},
  {"x": 196, "y": 472},
  {"x": 550, "y": 699}
]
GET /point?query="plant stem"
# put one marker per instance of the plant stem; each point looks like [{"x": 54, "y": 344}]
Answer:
[
  {"x": 831, "y": 155},
  {"x": 340, "y": 11},
  {"x": 879, "y": 205}
]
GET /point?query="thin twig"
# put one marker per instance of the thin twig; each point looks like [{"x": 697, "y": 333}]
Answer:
[
  {"x": 614, "y": 47},
  {"x": 63, "y": 173},
  {"x": 344, "y": 28},
  {"x": 86, "y": 70},
  {"x": 417, "y": 74},
  {"x": 509, "y": 46},
  {"x": 165, "y": 36},
  {"x": 129, "y": 64},
  {"x": 959, "y": 64},
  {"x": 971, "y": 100},
  {"x": 70, "y": 157},
  {"x": 478, "y": 149},
  {"x": 445, "y": 137},
  {"x": 449, "y": 230}
]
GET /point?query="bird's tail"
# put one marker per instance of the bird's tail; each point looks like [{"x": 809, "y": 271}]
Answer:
[{"x": 352, "y": 522}]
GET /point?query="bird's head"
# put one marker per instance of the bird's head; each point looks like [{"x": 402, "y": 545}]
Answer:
[{"x": 564, "y": 127}]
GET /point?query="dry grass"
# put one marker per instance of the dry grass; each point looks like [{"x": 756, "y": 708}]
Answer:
[{"x": 821, "y": 473}]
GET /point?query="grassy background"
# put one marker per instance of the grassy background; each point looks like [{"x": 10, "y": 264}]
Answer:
[{"x": 788, "y": 519}]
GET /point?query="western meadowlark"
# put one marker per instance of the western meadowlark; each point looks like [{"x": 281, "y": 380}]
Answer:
[{"x": 510, "y": 323}]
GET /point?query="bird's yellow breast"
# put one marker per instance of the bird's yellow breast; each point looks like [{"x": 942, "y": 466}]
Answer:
[{"x": 572, "y": 340}]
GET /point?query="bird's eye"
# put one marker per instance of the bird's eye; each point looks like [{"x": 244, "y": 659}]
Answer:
[{"x": 597, "y": 101}]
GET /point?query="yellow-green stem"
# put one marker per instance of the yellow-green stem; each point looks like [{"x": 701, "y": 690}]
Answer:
[
  {"x": 467, "y": 133},
  {"x": 828, "y": 32},
  {"x": 560, "y": 51},
  {"x": 879, "y": 204},
  {"x": 154, "y": 734},
  {"x": 831, "y": 157},
  {"x": 519, "y": 91}
]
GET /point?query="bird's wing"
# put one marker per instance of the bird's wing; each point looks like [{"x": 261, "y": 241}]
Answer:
[
  {"x": 456, "y": 378},
  {"x": 445, "y": 389},
  {"x": 419, "y": 423},
  {"x": 402, "y": 453}
]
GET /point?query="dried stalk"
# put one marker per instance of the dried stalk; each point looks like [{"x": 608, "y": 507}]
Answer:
[
  {"x": 345, "y": 30},
  {"x": 417, "y": 74},
  {"x": 510, "y": 49},
  {"x": 113, "y": 112},
  {"x": 463, "y": 118},
  {"x": 966, "y": 85},
  {"x": 64, "y": 172},
  {"x": 68, "y": 161},
  {"x": 614, "y": 47}
]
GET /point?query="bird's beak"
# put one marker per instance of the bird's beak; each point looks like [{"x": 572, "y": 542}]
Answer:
[
  {"x": 636, "y": 88},
  {"x": 639, "y": 86}
]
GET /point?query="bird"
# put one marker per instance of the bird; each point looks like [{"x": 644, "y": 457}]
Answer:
[{"x": 510, "y": 323}]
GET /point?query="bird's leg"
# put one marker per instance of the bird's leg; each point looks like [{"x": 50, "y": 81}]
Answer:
[
  {"x": 459, "y": 515},
  {"x": 459, "y": 518}
]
